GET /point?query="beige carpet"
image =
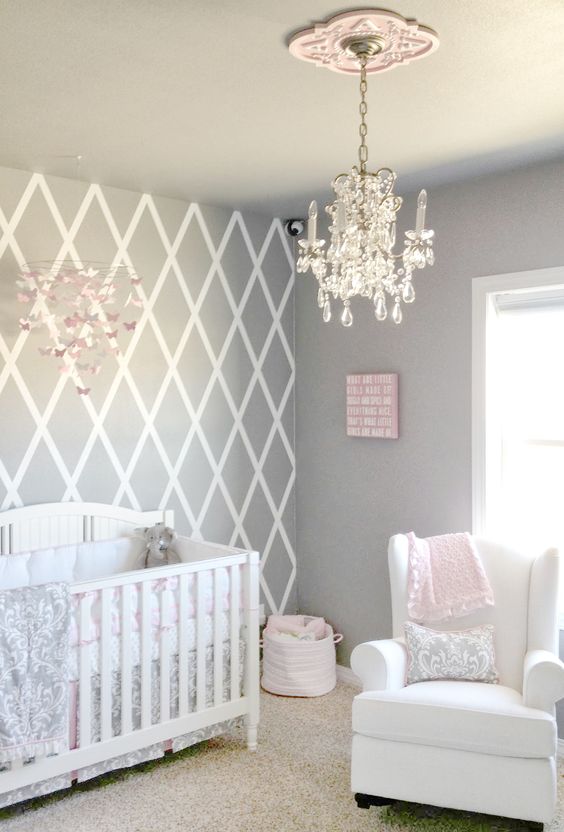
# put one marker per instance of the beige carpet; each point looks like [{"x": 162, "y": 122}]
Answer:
[{"x": 296, "y": 782}]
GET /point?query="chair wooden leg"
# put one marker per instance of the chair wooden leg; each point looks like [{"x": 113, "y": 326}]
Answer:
[{"x": 365, "y": 801}]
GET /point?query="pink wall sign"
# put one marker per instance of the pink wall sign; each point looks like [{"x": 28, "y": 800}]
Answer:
[{"x": 372, "y": 405}]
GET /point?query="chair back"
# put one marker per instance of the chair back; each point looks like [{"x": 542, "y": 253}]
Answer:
[{"x": 525, "y": 588}]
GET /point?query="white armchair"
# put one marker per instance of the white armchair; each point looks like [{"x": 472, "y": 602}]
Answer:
[{"x": 466, "y": 745}]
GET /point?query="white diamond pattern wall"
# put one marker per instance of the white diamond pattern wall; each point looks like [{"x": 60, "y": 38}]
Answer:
[{"x": 194, "y": 414}]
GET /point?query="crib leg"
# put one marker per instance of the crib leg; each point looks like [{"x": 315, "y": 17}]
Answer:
[{"x": 252, "y": 737}]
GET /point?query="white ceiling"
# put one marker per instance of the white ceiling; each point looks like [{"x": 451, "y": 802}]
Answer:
[{"x": 200, "y": 99}]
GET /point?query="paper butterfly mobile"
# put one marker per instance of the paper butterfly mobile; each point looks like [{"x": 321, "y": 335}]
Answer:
[{"x": 71, "y": 302}]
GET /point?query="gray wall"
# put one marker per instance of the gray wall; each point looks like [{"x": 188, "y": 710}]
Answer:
[
  {"x": 198, "y": 414},
  {"x": 352, "y": 494}
]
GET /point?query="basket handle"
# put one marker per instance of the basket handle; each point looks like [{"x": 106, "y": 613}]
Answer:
[{"x": 337, "y": 639}]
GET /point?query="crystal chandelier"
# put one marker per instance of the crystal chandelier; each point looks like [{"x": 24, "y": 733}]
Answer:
[{"x": 360, "y": 259}]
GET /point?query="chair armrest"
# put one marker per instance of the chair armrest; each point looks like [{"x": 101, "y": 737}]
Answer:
[
  {"x": 380, "y": 665},
  {"x": 543, "y": 680}
]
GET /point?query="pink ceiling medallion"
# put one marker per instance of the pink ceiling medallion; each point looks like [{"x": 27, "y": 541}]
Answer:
[
  {"x": 82, "y": 309},
  {"x": 393, "y": 41}
]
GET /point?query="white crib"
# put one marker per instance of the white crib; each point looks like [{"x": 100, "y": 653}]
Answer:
[{"x": 182, "y": 650}]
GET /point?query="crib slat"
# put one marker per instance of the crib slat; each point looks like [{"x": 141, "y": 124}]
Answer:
[
  {"x": 84, "y": 684},
  {"x": 200, "y": 646},
  {"x": 183, "y": 612},
  {"x": 50, "y": 531},
  {"x": 126, "y": 693},
  {"x": 106, "y": 665},
  {"x": 166, "y": 613},
  {"x": 217, "y": 639},
  {"x": 234, "y": 602},
  {"x": 146, "y": 654}
]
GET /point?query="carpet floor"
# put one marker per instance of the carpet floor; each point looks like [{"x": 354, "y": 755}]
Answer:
[{"x": 298, "y": 781}]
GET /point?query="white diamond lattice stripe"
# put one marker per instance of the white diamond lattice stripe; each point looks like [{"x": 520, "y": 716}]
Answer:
[{"x": 95, "y": 412}]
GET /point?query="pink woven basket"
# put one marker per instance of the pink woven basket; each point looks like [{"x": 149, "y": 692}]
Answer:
[{"x": 299, "y": 668}]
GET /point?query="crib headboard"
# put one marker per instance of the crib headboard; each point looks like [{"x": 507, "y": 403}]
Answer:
[{"x": 56, "y": 524}]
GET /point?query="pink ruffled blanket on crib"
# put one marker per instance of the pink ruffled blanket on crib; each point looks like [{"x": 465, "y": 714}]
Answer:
[{"x": 445, "y": 577}]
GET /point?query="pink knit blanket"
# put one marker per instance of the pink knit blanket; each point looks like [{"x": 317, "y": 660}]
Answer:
[{"x": 445, "y": 578}]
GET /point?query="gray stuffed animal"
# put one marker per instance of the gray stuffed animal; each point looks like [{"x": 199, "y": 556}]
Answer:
[{"x": 158, "y": 551}]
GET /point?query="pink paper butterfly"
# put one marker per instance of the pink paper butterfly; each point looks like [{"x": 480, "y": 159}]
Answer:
[
  {"x": 60, "y": 353},
  {"x": 131, "y": 326},
  {"x": 83, "y": 391},
  {"x": 45, "y": 350},
  {"x": 112, "y": 334},
  {"x": 135, "y": 281},
  {"x": 25, "y": 325}
]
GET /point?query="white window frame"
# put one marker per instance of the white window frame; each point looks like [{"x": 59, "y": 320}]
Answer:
[{"x": 484, "y": 291}]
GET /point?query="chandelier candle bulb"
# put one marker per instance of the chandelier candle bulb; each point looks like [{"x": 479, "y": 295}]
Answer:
[
  {"x": 421, "y": 208},
  {"x": 312, "y": 223}
]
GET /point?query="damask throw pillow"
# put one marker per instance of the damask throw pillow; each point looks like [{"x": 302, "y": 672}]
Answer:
[{"x": 461, "y": 655}]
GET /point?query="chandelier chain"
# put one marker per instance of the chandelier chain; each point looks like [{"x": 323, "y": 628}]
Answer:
[{"x": 363, "y": 110}]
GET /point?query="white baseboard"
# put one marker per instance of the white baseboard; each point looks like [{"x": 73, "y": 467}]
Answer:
[{"x": 345, "y": 674}]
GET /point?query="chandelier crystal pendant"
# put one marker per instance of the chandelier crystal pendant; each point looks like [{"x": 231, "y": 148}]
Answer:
[{"x": 360, "y": 259}]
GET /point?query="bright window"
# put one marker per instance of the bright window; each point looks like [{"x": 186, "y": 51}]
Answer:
[{"x": 518, "y": 393}]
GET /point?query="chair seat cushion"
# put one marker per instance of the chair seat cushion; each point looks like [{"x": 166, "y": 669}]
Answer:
[{"x": 471, "y": 716}]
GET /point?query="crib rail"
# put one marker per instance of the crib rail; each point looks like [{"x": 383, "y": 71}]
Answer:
[
  {"x": 126, "y": 702},
  {"x": 58, "y": 524}
]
